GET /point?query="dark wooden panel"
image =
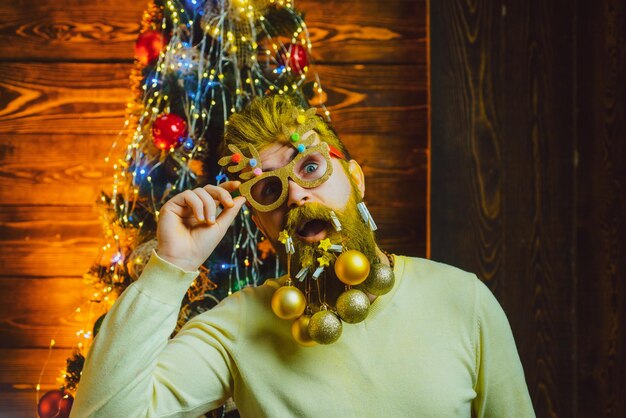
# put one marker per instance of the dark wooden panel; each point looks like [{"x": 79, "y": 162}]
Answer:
[
  {"x": 49, "y": 314},
  {"x": 502, "y": 172},
  {"x": 537, "y": 114},
  {"x": 85, "y": 99},
  {"x": 401, "y": 229},
  {"x": 602, "y": 208},
  {"x": 341, "y": 31}
]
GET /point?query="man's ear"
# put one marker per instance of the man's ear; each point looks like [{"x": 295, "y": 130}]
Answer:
[{"x": 356, "y": 173}]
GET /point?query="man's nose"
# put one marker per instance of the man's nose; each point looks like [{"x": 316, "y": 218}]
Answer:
[{"x": 297, "y": 195}]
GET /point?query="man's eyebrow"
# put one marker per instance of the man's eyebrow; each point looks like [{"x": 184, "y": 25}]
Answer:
[{"x": 294, "y": 152}]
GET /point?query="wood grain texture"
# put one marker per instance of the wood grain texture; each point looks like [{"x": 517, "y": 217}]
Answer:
[
  {"x": 32, "y": 172},
  {"x": 18, "y": 404},
  {"x": 502, "y": 172},
  {"x": 367, "y": 31},
  {"x": 54, "y": 98},
  {"x": 341, "y": 31},
  {"x": 56, "y": 241},
  {"x": 41, "y": 172},
  {"x": 537, "y": 140},
  {"x": 53, "y": 298},
  {"x": 50, "y": 311},
  {"x": 64, "y": 71},
  {"x": 20, "y": 369},
  {"x": 539, "y": 173},
  {"x": 48, "y": 241},
  {"x": 391, "y": 156},
  {"x": 72, "y": 30},
  {"x": 49, "y": 314},
  {"x": 602, "y": 209}
]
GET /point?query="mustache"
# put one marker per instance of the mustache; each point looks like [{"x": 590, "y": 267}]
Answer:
[{"x": 297, "y": 216}]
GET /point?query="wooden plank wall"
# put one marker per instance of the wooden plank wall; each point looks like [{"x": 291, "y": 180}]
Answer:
[
  {"x": 64, "y": 70},
  {"x": 528, "y": 183}
]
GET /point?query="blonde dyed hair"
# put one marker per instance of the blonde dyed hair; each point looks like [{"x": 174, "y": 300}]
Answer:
[{"x": 260, "y": 124}]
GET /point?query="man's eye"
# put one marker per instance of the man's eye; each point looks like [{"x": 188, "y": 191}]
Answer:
[
  {"x": 310, "y": 168},
  {"x": 270, "y": 190}
]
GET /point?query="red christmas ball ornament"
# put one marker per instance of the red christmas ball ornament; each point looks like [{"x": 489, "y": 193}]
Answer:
[
  {"x": 148, "y": 46},
  {"x": 168, "y": 131},
  {"x": 55, "y": 404},
  {"x": 298, "y": 59}
]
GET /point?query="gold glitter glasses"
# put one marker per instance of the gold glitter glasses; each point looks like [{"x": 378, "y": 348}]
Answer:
[{"x": 308, "y": 169}]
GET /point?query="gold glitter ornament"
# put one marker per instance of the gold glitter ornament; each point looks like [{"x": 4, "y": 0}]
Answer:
[
  {"x": 325, "y": 327},
  {"x": 300, "y": 331},
  {"x": 380, "y": 280},
  {"x": 288, "y": 302},
  {"x": 353, "y": 306},
  {"x": 352, "y": 267}
]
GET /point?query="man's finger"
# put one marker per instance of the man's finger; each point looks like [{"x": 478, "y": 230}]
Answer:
[
  {"x": 231, "y": 186},
  {"x": 220, "y": 194},
  {"x": 209, "y": 204},
  {"x": 228, "y": 214}
]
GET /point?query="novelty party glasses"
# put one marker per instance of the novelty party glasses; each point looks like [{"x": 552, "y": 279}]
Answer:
[{"x": 308, "y": 169}]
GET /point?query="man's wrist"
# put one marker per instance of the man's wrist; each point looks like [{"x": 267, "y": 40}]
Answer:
[{"x": 181, "y": 263}]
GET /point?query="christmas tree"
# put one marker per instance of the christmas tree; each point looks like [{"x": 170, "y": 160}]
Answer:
[{"x": 197, "y": 62}]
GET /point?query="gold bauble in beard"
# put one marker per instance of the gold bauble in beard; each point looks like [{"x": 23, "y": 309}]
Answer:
[
  {"x": 300, "y": 331},
  {"x": 380, "y": 280},
  {"x": 352, "y": 267},
  {"x": 288, "y": 302},
  {"x": 353, "y": 306},
  {"x": 325, "y": 327}
]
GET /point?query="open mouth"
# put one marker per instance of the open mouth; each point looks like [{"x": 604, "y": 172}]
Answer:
[{"x": 313, "y": 230}]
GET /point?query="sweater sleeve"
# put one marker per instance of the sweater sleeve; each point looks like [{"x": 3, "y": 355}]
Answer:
[
  {"x": 134, "y": 370},
  {"x": 501, "y": 389}
]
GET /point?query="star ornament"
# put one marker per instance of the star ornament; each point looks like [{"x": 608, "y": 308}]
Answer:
[
  {"x": 324, "y": 261},
  {"x": 283, "y": 236},
  {"x": 325, "y": 244}
]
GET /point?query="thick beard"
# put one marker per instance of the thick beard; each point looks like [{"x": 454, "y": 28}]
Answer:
[{"x": 355, "y": 234}]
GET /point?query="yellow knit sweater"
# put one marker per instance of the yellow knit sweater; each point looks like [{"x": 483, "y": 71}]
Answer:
[{"x": 438, "y": 345}]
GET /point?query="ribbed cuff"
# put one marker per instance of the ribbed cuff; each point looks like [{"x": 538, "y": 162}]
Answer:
[{"x": 165, "y": 281}]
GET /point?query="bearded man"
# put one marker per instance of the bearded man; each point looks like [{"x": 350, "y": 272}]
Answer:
[{"x": 350, "y": 330}]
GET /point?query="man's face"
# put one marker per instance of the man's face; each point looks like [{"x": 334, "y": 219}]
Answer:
[{"x": 334, "y": 194}]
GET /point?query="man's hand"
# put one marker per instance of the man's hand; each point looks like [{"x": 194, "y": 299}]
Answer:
[{"x": 189, "y": 229}]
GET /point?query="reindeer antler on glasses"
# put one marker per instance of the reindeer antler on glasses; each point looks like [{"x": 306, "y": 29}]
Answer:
[{"x": 242, "y": 162}]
